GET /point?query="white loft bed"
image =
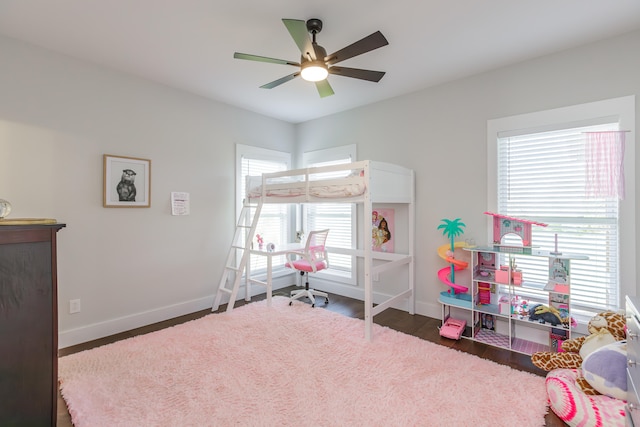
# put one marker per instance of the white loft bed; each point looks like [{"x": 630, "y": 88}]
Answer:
[{"x": 365, "y": 182}]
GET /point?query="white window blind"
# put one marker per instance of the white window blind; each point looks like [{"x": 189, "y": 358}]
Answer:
[
  {"x": 335, "y": 216},
  {"x": 541, "y": 177},
  {"x": 274, "y": 218}
]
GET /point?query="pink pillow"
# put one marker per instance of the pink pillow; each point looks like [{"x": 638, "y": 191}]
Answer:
[{"x": 575, "y": 408}]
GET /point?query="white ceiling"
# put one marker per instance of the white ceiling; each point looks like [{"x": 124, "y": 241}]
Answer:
[{"x": 189, "y": 44}]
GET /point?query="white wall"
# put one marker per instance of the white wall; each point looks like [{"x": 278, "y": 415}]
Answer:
[
  {"x": 129, "y": 267},
  {"x": 441, "y": 133}
]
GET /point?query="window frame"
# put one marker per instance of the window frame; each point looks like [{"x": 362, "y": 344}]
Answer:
[
  {"x": 310, "y": 158},
  {"x": 263, "y": 154},
  {"x": 623, "y": 109}
]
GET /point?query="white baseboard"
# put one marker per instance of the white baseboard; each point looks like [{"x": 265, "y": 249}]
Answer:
[
  {"x": 109, "y": 327},
  {"x": 70, "y": 337}
]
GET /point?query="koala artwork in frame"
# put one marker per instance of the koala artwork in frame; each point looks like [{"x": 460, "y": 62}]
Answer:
[{"x": 127, "y": 182}]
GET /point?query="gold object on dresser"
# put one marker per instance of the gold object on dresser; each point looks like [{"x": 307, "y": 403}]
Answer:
[
  {"x": 27, "y": 221},
  {"x": 633, "y": 356}
]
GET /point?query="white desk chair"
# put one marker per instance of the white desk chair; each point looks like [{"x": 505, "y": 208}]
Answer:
[{"x": 312, "y": 259}]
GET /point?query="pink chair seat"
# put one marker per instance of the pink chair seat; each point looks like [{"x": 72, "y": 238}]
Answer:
[{"x": 304, "y": 265}]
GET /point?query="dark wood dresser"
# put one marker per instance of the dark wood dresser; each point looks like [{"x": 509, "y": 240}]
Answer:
[{"x": 28, "y": 325}]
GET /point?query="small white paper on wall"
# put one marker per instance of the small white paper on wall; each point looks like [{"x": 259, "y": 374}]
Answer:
[{"x": 179, "y": 203}]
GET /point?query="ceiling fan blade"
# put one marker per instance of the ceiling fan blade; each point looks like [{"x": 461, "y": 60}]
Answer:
[
  {"x": 280, "y": 81},
  {"x": 250, "y": 57},
  {"x": 324, "y": 88},
  {"x": 300, "y": 35},
  {"x": 357, "y": 73},
  {"x": 367, "y": 44}
]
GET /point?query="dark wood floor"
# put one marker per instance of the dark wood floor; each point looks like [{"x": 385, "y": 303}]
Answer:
[{"x": 416, "y": 325}]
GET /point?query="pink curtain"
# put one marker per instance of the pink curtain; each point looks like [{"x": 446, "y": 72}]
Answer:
[{"x": 605, "y": 170}]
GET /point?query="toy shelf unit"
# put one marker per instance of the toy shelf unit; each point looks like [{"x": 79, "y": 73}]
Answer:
[{"x": 506, "y": 307}]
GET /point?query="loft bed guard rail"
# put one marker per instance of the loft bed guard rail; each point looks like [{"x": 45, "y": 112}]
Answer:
[
  {"x": 364, "y": 182},
  {"x": 348, "y": 182}
]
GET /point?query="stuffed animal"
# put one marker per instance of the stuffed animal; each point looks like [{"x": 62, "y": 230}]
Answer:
[
  {"x": 545, "y": 314},
  {"x": 606, "y": 370},
  {"x": 604, "y": 328}
]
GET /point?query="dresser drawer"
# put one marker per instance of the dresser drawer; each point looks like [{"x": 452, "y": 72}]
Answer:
[
  {"x": 633, "y": 344},
  {"x": 633, "y": 405},
  {"x": 633, "y": 361}
]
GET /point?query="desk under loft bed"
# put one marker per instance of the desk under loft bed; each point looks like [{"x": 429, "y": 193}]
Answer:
[{"x": 364, "y": 183}]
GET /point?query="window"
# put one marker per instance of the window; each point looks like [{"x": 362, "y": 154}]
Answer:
[
  {"x": 538, "y": 170},
  {"x": 339, "y": 217},
  {"x": 273, "y": 224}
]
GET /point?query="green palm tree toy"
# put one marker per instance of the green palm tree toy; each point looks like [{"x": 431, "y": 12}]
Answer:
[{"x": 452, "y": 229}]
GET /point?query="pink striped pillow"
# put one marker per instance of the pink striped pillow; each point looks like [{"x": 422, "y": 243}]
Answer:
[{"x": 575, "y": 408}]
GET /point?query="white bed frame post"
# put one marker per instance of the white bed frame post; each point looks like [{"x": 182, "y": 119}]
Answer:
[
  {"x": 412, "y": 245},
  {"x": 368, "y": 262}
]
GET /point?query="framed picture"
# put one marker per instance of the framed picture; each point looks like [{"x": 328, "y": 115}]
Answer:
[
  {"x": 382, "y": 230},
  {"x": 127, "y": 182}
]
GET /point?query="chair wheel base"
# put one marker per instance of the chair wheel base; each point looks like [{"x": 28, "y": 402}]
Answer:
[{"x": 297, "y": 295}]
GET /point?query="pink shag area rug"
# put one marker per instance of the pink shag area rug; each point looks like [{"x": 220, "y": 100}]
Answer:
[{"x": 292, "y": 366}]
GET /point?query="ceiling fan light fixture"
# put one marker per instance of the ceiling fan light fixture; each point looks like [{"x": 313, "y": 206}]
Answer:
[
  {"x": 314, "y": 71},
  {"x": 315, "y": 65}
]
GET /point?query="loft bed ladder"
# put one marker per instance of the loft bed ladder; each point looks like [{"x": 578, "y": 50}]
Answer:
[{"x": 239, "y": 250}]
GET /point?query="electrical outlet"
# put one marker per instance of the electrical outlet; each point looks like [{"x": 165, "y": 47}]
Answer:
[
  {"x": 376, "y": 277},
  {"x": 74, "y": 306}
]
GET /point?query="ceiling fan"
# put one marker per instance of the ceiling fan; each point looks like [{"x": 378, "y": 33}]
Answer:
[{"x": 315, "y": 65}]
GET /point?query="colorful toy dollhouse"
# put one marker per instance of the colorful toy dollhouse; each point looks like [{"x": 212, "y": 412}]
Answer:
[{"x": 503, "y": 224}]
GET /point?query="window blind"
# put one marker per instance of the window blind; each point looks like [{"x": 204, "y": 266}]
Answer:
[
  {"x": 335, "y": 216},
  {"x": 541, "y": 177},
  {"x": 273, "y": 222}
]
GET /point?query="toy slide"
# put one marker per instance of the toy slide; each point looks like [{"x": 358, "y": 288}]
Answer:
[
  {"x": 458, "y": 265},
  {"x": 442, "y": 253},
  {"x": 443, "y": 275}
]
